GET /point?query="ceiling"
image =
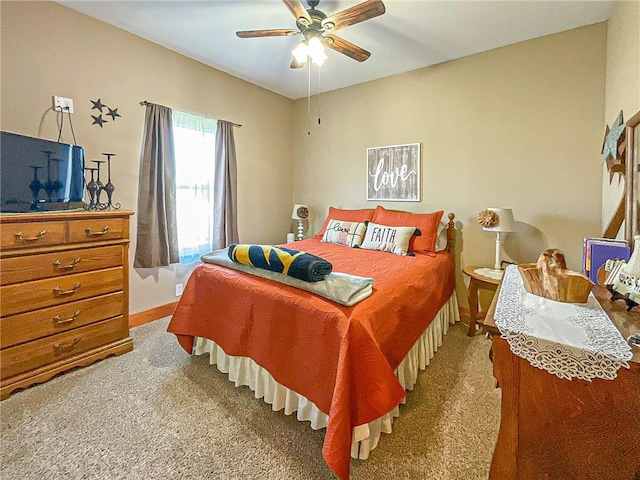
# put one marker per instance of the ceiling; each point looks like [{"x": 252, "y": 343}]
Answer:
[{"x": 411, "y": 34}]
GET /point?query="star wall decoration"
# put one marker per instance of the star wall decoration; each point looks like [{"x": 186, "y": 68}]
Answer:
[
  {"x": 113, "y": 113},
  {"x": 97, "y": 119},
  {"x": 613, "y": 138},
  {"x": 97, "y": 104}
]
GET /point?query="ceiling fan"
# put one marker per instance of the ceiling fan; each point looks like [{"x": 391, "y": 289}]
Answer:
[{"x": 317, "y": 29}]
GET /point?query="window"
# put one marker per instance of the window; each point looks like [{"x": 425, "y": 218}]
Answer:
[{"x": 194, "y": 143}]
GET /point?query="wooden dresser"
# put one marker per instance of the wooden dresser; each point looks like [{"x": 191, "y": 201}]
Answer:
[
  {"x": 64, "y": 293},
  {"x": 552, "y": 428}
]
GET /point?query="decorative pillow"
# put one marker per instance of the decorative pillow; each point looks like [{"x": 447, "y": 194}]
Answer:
[
  {"x": 388, "y": 239},
  {"x": 350, "y": 234},
  {"x": 441, "y": 240},
  {"x": 427, "y": 223},
  {"x": 361, "y": 215}
]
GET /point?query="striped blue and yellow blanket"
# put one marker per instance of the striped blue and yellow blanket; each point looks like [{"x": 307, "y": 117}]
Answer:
[
  {"x": 342, "y": 288},
  {"x": 294, "y": 263}
]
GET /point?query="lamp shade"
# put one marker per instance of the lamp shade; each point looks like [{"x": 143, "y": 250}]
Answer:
[
  {"x": 505, "y": 220},
  {"x": 300, "y": 212}
]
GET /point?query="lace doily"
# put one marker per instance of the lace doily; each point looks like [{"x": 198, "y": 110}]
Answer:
[
  {"x": 570, "y": 340},
  {"x": 489, "y": 273}
]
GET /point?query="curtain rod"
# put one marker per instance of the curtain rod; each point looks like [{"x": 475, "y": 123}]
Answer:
[{"x": 144, "y": 103}]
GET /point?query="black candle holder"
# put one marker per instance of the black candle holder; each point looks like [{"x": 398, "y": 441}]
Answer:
[
  {"x": 95, "y": 187},
  {"x": 99, "y": 183},
  {"x": 109, "y": 188},
  {"x": 92, "y": 189}
]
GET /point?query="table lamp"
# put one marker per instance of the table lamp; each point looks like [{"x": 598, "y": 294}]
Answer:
[
  {"x": 300, "y": 213},
  {"x": 499, "y": 220}
]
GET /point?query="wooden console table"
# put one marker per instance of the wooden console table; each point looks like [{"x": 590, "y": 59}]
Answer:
[{"x": 552, "y": 428}]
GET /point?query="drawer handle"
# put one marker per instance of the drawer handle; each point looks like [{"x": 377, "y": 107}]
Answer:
[
  {"x": 20, "y": 236},
  {"x": 90, "y": 233},
  {"x": 59, "y": 347},
  {"x": 59, "y": 291},
  {"x": 59, "y": 266},
  {"x": 59, "y": 321}
]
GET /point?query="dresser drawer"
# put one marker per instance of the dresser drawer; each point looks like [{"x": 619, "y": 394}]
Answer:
[
  {"x": 27, "y": 356},
  {"x": 93, "y": 230},
  {"x": 32, "y": 234},
  {"x": 35, "y": 267},
  {"x": 29, "y": 296},
  {"x": 25, "y": 327}
]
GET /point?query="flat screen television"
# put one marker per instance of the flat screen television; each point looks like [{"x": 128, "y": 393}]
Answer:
[{"x": 39, "y": 175}]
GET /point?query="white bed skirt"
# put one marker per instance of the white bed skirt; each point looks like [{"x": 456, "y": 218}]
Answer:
[{"x": 243, "y": 371}]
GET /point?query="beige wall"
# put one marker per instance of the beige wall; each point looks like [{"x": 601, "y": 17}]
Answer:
[
  {"x": 622, "y": 87},
  {"x": 519, "y": 127},
  {"x": 48, "y": 50}
]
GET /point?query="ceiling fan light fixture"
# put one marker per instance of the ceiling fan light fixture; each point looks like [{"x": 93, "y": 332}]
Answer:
[
  {"x": 300, "y": 52},
  {"x": 310, "y": 49},
  {"x": 319, "y": 59},
  {"x": 317, "y": 29},
  {"x": 316, "y": 51}
]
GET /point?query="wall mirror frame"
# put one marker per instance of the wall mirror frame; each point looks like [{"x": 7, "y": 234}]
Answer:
[{"x": 632, "y": 179}]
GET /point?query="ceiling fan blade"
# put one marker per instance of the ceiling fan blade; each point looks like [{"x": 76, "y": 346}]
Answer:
[
  {"x": 346, "y": 48},
  {"x": 281, "y": 32},
  {"x": 356, "y": 14},
  {"x": 298, "y": 11},
  {"x": 296, "y": 64}
]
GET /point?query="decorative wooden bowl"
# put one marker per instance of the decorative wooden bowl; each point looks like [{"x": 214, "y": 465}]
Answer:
[{"x": 564, "y": 285}]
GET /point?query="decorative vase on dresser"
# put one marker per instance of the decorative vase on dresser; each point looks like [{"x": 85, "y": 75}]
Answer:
[{"x": 64, "y": 293}]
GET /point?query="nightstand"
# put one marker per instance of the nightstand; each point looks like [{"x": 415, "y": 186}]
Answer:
[{"x": 477, "y": 282}]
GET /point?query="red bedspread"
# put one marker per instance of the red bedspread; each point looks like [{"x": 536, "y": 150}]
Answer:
[{"x": 341, "y": 358}]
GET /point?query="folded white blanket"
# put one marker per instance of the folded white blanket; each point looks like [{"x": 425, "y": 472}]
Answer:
[{"x": 339, "y": 287}]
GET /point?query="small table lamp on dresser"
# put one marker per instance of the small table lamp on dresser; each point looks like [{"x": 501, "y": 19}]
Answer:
[{"x": 300, "y": 213}]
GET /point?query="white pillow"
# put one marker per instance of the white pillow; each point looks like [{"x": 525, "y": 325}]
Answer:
[
  {"x": 441, "y": 239},
  {"x": 346, "y": 233},
  {"x": 387, "y": 239}
]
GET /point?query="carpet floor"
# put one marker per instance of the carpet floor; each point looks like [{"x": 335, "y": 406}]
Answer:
[{"x": 157, "y": 413}]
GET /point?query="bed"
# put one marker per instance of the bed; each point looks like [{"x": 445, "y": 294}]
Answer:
[{"x": 343, "y": 368}]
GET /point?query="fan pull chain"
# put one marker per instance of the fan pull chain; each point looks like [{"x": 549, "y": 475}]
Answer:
[
  {"x": 319, "y": 90},
  {"x": 309, "y": 99}
]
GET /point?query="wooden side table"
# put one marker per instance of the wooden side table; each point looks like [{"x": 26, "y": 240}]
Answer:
[{"x": 477, "y": 282}]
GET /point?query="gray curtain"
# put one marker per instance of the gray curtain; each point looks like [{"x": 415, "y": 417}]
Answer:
[
  {"x": 157, "y": 239},
  {"x": 225, "y": 220}
]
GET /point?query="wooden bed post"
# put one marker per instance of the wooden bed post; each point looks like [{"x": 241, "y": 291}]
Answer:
[{"x": 451, "y": 233}]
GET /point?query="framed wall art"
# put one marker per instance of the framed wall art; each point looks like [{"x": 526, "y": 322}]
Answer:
[{"x": 393, "y": 173}]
